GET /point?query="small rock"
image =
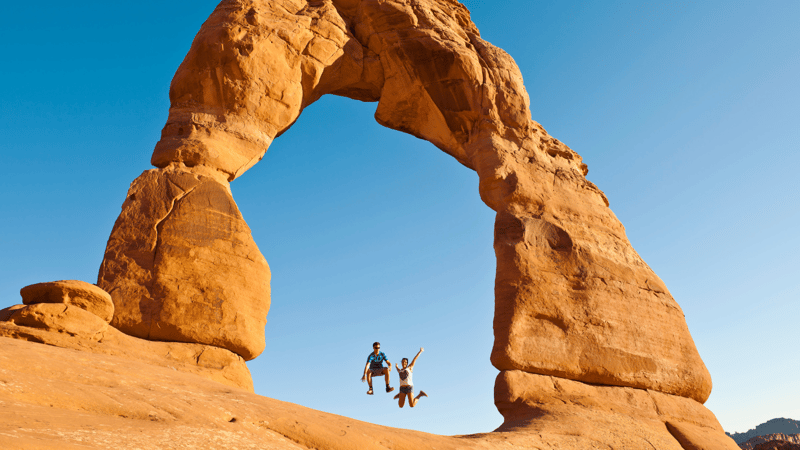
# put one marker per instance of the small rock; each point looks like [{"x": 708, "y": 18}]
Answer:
[{"x": 71, "y": 292}]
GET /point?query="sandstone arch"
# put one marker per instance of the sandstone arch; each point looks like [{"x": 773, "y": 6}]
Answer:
[{"x": 574, "y": 300}]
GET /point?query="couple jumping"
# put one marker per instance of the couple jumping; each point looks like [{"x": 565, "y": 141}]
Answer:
[{"x": 374, "y": 368}]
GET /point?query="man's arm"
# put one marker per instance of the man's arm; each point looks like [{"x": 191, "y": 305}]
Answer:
[
  {"x": 411, "y": 366},
  {"x": 364, "y": 377}
]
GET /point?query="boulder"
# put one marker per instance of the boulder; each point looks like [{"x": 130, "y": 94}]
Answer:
[
  {"x": 181, "y": 265},
  {"x": 71, "y": 292}
]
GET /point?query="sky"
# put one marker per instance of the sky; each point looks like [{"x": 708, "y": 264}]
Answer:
[{"x": 686, "y": 113}]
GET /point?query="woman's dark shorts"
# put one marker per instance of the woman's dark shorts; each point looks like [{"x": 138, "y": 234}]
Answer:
[{"x": 407, "y": 390}]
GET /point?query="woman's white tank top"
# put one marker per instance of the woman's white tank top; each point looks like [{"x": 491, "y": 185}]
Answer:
[{"x": 405, "y": 377}]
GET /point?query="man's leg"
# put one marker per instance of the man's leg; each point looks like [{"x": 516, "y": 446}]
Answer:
[
  {"x": 369, "y": 380},
  {"x": 386, "y": 375}
]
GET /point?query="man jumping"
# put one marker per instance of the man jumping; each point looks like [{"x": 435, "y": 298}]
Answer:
[
  {"x": 406, "y": 385},
  {"x": 375, "y": 365}
]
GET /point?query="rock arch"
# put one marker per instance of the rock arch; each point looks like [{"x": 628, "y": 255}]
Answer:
[{"x": 574, "y": 300}]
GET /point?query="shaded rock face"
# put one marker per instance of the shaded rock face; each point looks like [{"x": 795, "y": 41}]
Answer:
[{"x": 181, "y": 265}]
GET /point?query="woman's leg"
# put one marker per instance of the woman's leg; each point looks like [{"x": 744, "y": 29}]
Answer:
[
  {"x": 402, "y": 400},
  {"x": 413, "y": 401}
]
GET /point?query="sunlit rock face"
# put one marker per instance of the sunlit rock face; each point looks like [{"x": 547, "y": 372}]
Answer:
[
  {"x": 573, "y": 298},
  {"x": 182, "y": 266}
]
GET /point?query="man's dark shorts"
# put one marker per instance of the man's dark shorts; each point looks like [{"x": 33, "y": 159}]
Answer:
[{"x": 376, "y": 372}]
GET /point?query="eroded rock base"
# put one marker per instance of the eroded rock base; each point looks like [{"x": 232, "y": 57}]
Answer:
[
  {"x": 593, "y": 416},
  {"x": 70, "y": 327}
]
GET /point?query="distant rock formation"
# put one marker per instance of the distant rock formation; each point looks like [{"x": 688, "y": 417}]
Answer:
[
  {"x": 773, "y": 426},
  {"x": 777, "y": 444},
  {"x": 753, "y": 443}
]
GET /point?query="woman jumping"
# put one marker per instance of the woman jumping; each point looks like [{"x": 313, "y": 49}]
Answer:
[{"x": 406, "y": 385}]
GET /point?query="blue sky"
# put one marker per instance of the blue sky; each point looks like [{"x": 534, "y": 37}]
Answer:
[{"x": 686, "y": 113}]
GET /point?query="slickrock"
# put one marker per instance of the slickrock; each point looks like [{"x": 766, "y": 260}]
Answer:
[
  {"x": 573, "y": 298},
  {"x": 70, "y": 327},
  {"x": 71, "y": 292},
  {"x": 182, "y": 266},
  {"x": 54, "y": 398}
]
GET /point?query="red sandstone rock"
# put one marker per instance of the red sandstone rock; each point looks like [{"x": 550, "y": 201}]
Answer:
[
  {"x": 6, "y": 313},
  {"x": 181, "y": 265},
  {"x": 573, "y": 298},
  {"x": 616, "y": 417},
  {"x": 71, "y": 292},
  {"x": 54, "y": 398},
  {"x": 70, "y": 327}
]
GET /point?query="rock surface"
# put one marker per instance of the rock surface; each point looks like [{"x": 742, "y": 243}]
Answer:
[
  {"x": 573, "y": 298},
  {"x": 54, "y": 398},
  {"x": 182, "y": 266},
  {"x": 71, "y": 292},
  {"x": 615, "y": 416},
  {"x": 70, "y": 327}
]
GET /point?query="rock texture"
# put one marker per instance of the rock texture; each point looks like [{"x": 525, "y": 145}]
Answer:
[
  {"x": 614, "y": 416},
  {"x": 54, "y": 398},
  {"x": 71, "y": 292},
  {"x": 70, "y": 327},
  {"x": 181, "y": 265}
]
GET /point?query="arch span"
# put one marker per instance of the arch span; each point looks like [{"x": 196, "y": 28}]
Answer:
[{"x": 573, "y": 298}]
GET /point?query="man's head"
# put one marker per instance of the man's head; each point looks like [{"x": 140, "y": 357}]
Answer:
[
  {"x": 405, "y": 362},
  {"x": 376, "y": 347}
]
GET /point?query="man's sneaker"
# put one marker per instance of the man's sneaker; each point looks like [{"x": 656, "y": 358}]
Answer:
[{"x": 389, "y": 389}]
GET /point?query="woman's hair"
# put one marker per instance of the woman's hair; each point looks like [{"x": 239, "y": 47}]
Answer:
[{"x": 404, "y": 359}]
